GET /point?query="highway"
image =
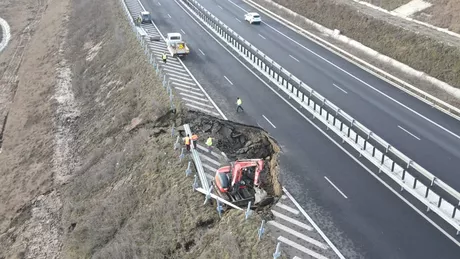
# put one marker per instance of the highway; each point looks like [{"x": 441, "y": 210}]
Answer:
[
  {"x": 369, "y": 221},
  {"x": 426, "y": 135}
]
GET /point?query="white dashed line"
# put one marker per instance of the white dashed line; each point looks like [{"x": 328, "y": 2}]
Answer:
[
  {"x": 298, "y": 234},
  {"x": 169, "y": 16},
  {"x": 262, "y": 37},
  {"x": 193, "y": 97},
  {"x": 228, "y": 80},
  {"x": 291, "y": 220},
  {"x": 301, "y": 248},
  {"x": 408, "y": 132},
  {"x": 327, "y": 179},
  {"x": 273, "y": 125},
  {"x": 340, "y": 88},
  {"x": 182, "y": 31},
  {"x": 220, "y": 7},
  {"x": 238, "y": 19},
  {"x": 285, "y": 207},
  {"x": 159, "y": 3},
  {"x": 201, "y": 52},
  {"x": 294, "y": 58}
]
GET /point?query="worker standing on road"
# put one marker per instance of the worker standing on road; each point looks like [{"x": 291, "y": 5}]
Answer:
[
  {"x": 239, "y": 103},
  {"x": 139, "y": 21},
  {"x": 187, "y": 142},
  {"x": 164, "y": 57},
  {"x": 209, "y": 144},
  {"x": 194, "y": 139}
]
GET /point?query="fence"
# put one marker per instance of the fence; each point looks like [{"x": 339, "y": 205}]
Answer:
[
  {"x": 433, "y": 193},
  {"x": 142, "y": 37}
]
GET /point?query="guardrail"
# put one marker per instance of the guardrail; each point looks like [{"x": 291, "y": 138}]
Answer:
[
  {"x": 436, "y": 195},
  {"x": 404, "y": 86},
  {"x": 197, "y": 161}
]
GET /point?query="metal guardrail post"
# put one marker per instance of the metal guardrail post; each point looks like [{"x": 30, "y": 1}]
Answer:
[
  {"x": 277, "y": 252},
  {"x": 261, "y": 230},
  {"x": 248, "y": 212}
]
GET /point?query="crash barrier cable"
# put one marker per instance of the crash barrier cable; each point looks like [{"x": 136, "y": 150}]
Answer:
[{"x": 433, "y": 193}]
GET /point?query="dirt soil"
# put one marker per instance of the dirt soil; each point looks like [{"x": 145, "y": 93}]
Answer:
[
  {"x": 87, "y": 168},
  {"x": 435, "y": 53},
  {"x": 443, "y": 13},
  {"x": 239, "y": 141}
]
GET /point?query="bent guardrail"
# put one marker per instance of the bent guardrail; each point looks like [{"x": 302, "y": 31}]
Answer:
[{"x": 436, "y": 195}]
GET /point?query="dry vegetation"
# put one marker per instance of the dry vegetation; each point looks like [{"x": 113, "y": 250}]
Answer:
[
  {"x": 443, "y": 13},
  {"x": 388, "y": 4},
  {"x": 420, "y": 52},
  {"x": 123, "y": 193}
]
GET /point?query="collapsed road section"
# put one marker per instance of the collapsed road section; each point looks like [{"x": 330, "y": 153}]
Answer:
[{"x": 239, "y": 169}]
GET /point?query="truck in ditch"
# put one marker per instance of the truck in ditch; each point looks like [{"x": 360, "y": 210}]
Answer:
[{"x": 177, "y": 47}]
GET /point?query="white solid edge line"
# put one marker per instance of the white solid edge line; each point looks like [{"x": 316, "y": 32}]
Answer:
[
  {"x": 188, "y": 71},
  {"x": 6, "y": 36},
  {"x": 340, "y": 88},
  {"x": 329, "y": 242},
  {"x": 273, "y": 125},
  {"x": 353, "y": 76},
  {"x": 228, "y": 80},
  {"x": 298, "y": 234},
  {"x": 333, "y": 141},
  {"x": 294, "y": 58},
  {"x": 201, "y": 52},
  {"x": 291, "y": 220},
  {"x": 327, "y": 179},
  {"x": 286, "y": 207},
  {"x": 300, "y": 248},
  {"x": 408, "y": 132}
]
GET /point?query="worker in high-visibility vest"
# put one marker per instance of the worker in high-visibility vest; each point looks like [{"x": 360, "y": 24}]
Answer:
[
  {"x": 194, "y": 139},
  {"x": 209, "y": 144},
  {"x": 164, "y": 57},
  {"x": 187, "y": 142},
  {"x": 238, "y": 104}
]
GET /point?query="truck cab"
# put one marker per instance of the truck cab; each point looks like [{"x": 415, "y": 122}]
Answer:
[
  {"x": 145, "y": 17},
  {"x": 176, "y": 45}
]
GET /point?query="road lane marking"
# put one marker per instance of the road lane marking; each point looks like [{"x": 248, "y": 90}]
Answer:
[
  {"x": 285, "y": 207},
  {"x": 187, "y": 91},
  {"x": 273, "y": 125},
  {"x": 201, "y": 109},
  {"x": 340, "y": 88},
  {"x": 169, "y": 15},
  {"x": 356, "y": 78},
  {"x": 180, "y": 77},
  {"x": 201, "y": 52},
  {"x": 220, "y": 7},
  {"x": 327, "y": 179},
  {"x": 408, "y": 132},
  {"x": 294, "y": 58},
  {"x": 300, "y": 248},
  {"x": 283, "y": 197},
  {"x": 182, "y": 31},
  {"x": 296, "y": 257},
  {"x": 212, "y": 169},
  {"x": 193, "y": 97},
  {"x": 262, "y": 37},
  {"x": 228, "y": 80},
  {"x": 159, "y": 3},
  {"x": 291, "y": 220},
  {"x": 297, "y": 234},
  {"x": 238, "y": 19},
  {"x": 209, "y": 159}
]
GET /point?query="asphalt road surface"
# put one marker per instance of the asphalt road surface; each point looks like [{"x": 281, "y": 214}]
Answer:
[
  {"x": 368, "y": 220},
  {"x": 426, "y": 135}
]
